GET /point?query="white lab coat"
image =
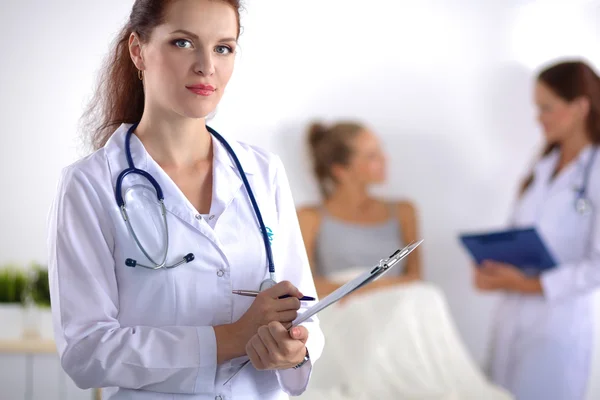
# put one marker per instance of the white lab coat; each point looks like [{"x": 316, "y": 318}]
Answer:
[
  {"x": 147, "y": 334},
  {"x": 542, "y": 343}
]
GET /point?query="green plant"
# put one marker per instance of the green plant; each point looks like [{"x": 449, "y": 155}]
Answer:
[
  {"x": 13, "y": 284},
  {"x": 40, "y": 287}
]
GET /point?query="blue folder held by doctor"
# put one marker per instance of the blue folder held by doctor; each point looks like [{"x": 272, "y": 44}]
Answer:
[{"x": 523, "y": 248}]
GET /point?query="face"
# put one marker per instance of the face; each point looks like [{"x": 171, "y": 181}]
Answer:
[
  {"x": 560, "y": 119},
  {"x": 367, "y": 163},
  {"x": 188, "y": 60}
]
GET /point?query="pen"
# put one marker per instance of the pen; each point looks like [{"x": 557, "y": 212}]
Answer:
[{"x": 254, "y": 293}]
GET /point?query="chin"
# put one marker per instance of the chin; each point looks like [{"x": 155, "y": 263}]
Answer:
[
  {"x": 552, "y": 137},
  {"x": 197, "y": 106},
  {"x": 378, "y": 180},
  {"x": 196, "y": 112}
]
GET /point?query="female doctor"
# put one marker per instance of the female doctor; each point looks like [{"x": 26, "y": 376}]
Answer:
[
  {"x": 151, "y": 233},
  {"x": 543, "y": 332}
]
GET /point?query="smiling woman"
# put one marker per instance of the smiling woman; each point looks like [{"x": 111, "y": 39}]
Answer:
[{"x": 152, "y": 236}]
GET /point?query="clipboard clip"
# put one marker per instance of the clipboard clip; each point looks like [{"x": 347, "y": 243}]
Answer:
[{"x": 396, "y": 257}]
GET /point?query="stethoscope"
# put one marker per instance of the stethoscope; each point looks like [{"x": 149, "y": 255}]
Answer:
[
  {"x": 162, "y": 263},
  {"x": 582, "y": 202}
]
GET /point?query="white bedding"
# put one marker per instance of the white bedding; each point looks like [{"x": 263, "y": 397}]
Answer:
[{"x": 400, "y": 344}]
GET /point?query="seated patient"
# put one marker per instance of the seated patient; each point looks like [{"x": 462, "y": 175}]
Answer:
[{"x": 352, "y": 230}]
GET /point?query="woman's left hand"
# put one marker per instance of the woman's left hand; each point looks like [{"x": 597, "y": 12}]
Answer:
[
  {"x": 273, "y": 347},
  {"x": 492, "y": 275}
]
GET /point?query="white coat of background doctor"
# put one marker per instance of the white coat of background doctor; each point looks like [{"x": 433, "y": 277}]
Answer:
[
  {"x": 543, "y": 330},
  {"x": 177, "y": 333}
]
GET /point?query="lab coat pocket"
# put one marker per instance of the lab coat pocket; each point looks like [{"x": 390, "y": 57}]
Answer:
[
  {"x": 208, "y": 300},
  {"x": 139, "y": 289}
]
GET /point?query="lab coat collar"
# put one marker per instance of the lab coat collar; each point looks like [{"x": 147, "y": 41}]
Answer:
[
  {"x": 571, "y": 176},
  {"x": 548, "y": 163},
  {"x": 585, "y": 154},
  {"x": 222, "y": 155}
]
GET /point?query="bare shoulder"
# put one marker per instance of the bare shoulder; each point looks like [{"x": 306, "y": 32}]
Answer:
[
  {"x": 309, "y": 215},
  {"x": 405, "y": 208},
  {"x": 406, "y": 213}
]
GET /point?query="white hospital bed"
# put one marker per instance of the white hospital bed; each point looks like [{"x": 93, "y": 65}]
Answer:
[{"x": 397, "y": 344}]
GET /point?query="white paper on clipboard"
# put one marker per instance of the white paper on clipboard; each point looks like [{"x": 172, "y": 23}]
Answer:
[{"x": 364, "y": 279}]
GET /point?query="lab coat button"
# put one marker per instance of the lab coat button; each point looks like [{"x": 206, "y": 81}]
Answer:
[
  {"x": 219, "y": 398},
  {"x": 220, "y": 273},
  {"x": 198, "y": 217},
  {"x": 211, "y": 217}
]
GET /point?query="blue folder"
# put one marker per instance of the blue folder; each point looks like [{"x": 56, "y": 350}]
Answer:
[{"x": 523, "y": 248}]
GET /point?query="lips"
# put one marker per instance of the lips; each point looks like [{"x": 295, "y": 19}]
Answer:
[{"x": 201, "y": 90}]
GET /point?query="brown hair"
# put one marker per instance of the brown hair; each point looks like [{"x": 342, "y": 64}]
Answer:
[
  {"x": 119, "y": 96},
  {"x": 571, "y": 80},
  {"x": 330, "y": 146}
]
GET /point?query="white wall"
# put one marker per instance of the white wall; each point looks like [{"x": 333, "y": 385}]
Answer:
[{"x": 447, "y": 85}]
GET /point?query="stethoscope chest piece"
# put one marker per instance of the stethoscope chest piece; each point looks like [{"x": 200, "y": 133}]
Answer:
[
  {"x": 582, "y": 205},
  {"x": 266, "y": 284}
]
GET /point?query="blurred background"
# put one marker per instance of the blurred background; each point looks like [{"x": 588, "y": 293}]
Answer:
[{"x": 447, "y": 86}]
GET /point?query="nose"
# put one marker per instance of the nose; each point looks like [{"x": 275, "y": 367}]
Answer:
[
  {"x": 204, "y": 64},
  {"x": 541, "y": 120}
]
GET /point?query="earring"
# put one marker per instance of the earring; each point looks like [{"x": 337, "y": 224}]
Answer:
[{"x": 140, "y": 74}]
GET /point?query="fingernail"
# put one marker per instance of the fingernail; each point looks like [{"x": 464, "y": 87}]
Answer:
[{"x": 295, "y": 332}]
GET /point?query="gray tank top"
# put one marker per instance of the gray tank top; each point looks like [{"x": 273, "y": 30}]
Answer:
[{"x": 342, "y": 247}]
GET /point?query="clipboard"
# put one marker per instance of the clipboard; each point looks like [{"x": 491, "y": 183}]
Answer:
[
  {"x": 362, "y": 280},
  {"x": 523, "y": 248}
]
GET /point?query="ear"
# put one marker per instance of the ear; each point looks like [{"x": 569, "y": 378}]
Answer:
[
  {"x": 339, "y": 172},
  {"x": 583, "y": 106},
  {"x": 135, "y": 51}
]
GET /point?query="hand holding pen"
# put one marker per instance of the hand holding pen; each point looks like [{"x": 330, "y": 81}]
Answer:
[{"x": 279, "y": 303}]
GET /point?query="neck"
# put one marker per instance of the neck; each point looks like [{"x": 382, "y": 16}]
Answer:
[
  {"x": 570, "y": 148},
  {"x": 174, "y": 141},
  {"x": 349, "y": 197}
]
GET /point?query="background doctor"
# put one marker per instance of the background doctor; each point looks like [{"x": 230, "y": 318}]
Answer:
[
  {"x": 543, "y": 332},
  {"x": 179, "y": 332}
]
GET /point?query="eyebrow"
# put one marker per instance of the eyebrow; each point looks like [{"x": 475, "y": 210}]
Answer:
[{"x": 188, "y": 33}]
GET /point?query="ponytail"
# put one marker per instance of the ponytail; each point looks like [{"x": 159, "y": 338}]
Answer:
[{"x": 330, "y": 146}]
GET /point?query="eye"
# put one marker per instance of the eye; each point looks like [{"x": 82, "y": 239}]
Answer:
[
  {"x": 182, "y": 43},
  {"x": 223, "y": 49}
]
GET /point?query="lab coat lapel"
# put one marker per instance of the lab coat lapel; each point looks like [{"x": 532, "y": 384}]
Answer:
[
  {"x": 571, "y": 178},
  {"x": 117, "y": 159},
  {"x": 227, "y": 180}
]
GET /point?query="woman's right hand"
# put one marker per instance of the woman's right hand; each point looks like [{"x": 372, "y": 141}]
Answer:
[
  {"x": 268, "y": 307},
  {"x": 479, "y": 279}
]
